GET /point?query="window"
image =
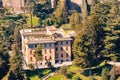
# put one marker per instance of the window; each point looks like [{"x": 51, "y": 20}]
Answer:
[
  {"x": 50, "y": 44},
  {"x": 67, "y": 60},
  {"x": 56, "y": 43},
  {"x": 56, "y": 61},
  {"x": 31, "y": 46},
  {"x": 67, "y": 55},
  {"x": 31, "y": 59},
  {"x": 45, "y": 57},
  {"x": 66, "y": 42},
  {"x": 66, "y": 48},
  {"x": 56, "y": 49},
  {"x": 56, "y": 56},
  {"x": 50, "y": 57},
  {"x": 40, "y": 63},
  {"x": 61, "y": 55},
  {"x": 61, "y": 61},
  {"x": 61, "y": 48},
  {"x": 61, "y": 43},
  {"x": 45, "y": 45},
  {"x": 35, "y": 45}
]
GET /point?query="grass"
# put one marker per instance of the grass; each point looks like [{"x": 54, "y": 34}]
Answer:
[
  {"x": 35, "y": 20},
  {"x": 58, "y": 77},
  {"x": 34, "y": 78},
  {"x": 82, "y": 73}
]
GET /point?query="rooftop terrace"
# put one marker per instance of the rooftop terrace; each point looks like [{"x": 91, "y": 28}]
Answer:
[{"x": 46, "y": 35}]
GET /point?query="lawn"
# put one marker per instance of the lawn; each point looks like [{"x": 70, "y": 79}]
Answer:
[
  {"x": 35, "y": 20},
  {"x": 33, "y": 75},
  {"x": 74, "y": 71},
  {"x": 58, "y": 77}
]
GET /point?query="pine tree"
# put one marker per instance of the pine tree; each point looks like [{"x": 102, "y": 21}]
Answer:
[
  {"x": 87, "y": 44},
  {"x": 84, "y": 9},
  {"x": 38, "y": 56},
  {"x": 61, "y": 12},
  {"x": 112, "y": 31},
  {"x": 16, "y": 71},
  {"x": 75, "y": 20}
]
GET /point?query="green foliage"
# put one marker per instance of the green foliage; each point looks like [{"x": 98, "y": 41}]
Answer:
[
  {"x": 33, "y": 74},
  {"x": 84, "y": 8},
  {"x": 76, "y": 77},
  {"x": 43, "y": 10},
  {"x": 92, "y": 78},
  {"x": 87, "y": 43},
  {"x": 35, "y": 20},
  {"x": 61, "y": 13},
  {"x": 4, "y": 60},
  {"x": 98, "y": 35},
  {"x": 104, "y": 74},
  {"x": 38, "y": 52},
  {"x": 75, "y": 20},
  {"x": 112, "y": 31},
  {"x": 16, "y": 71},
  {"x": 31, "y": 66}
]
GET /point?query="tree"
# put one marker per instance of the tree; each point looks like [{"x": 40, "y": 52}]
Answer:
[
  {"x": 30, "y": 7},
  {"x": 38, "y": 55},
  {"x": 2, "y": 13},
  {"x": 76, "y": 77},
  {"x": 112, "y": 32},
  {"x": 104, "y": 74},
  {"x": 87, "y": 44},
  {"x": 61, "y": 12},
  {"x": 108, "y": 14},
  {"x": 84, "y": 8},
  {"x": 75, "y": 20},
  {"x": 16, "y": 71},
  {"x": 43, "y": 10},
  {"x": 4, "y": 59},
  {"x": 92, "y": 78}
]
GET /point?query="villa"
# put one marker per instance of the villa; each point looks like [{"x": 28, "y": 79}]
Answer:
[{"x": 56, "y": 45}]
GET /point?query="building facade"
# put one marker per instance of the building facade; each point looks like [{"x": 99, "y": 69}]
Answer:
[
  {"x": 15, "y": 6},
  {"x": 56, "y": 45}
]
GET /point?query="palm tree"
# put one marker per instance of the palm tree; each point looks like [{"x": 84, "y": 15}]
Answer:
[{"x": 38, "y": 55}]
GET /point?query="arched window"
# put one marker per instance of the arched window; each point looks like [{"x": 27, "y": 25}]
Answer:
[
  {"x": 61, "y": 48},
  {"x": 67, "y": 55},
  {"x": 56, "y": 49},
  {"x": 45, "y": 57},
  {"x": 50, "y": 58},
  {"x": 61, "y": 55},
  {"x": 31, "y": 59}
]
